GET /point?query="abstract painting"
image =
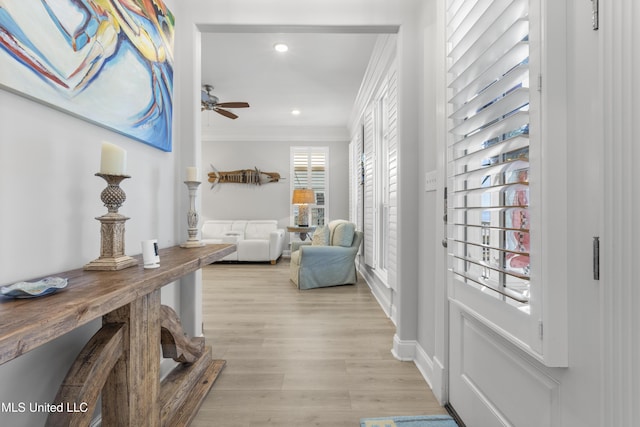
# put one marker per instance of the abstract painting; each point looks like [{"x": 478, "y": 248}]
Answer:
[{"x": 106, "y": 61}]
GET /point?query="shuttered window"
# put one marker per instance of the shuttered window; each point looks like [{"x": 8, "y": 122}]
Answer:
[
  {"x": 488, "y": 148},
  {"x": 310, "y": 170},
  {"x": 380, "y": 179},
  {"x": 369, "y": 186}
]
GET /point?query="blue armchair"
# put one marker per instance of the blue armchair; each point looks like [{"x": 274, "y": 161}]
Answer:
[{"x": 329, "y": 259}]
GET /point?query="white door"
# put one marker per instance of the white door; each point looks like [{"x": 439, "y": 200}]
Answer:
[{"x": 506, "y": 296}]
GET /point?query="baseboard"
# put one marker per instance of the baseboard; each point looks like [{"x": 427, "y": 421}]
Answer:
[
  {"x": 440, "y": 379},
  {"x": 424, "y": 364},
  {"x": 404, "y": 350},
  {"x": 434, "y": 373},
  {"x": 380, "y": 293},
  {"x": 431, "y": 369}
]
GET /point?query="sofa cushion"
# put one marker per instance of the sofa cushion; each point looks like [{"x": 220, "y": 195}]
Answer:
[
  {"x": 216, "y": 229},
  {"x": 253, "y": 250},
  {"x": 343, "y": 234},
  {"x": 237, "y": 235},
  {"x": 239, "y": 226},
  {"x": 260, "y": 229},
  {"x": 321, "y": 236}
]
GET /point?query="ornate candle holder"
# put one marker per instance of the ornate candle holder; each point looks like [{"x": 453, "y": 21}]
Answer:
[
  {"x": 112, "y": 255},
  {"x": 192, "y": 217}
]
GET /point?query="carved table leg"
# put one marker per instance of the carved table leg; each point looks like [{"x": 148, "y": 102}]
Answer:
[
  {"x": 131, "y": 394},
  {"x": 175, "y": 343},
  {"x": 184, "y": 389},
  {"x": 123, "y": 360},
  {"x": 79, "y": 392}
]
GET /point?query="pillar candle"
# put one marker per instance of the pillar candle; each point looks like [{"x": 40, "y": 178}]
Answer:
[
  {"x": 113, "y": 160},
  {"x": 192, "y": 173}
]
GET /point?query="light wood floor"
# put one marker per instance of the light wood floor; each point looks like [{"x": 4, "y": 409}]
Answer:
[{"x": 301, "y": 358}]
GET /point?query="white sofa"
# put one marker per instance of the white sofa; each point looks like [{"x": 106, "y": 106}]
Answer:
[{"x": 256, "y": 240}]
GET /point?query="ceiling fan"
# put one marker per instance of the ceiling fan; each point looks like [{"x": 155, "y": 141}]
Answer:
[{"x": 211, "y": 102}]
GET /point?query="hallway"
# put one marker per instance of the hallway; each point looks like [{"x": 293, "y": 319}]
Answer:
[{"x": 301, "y": 358}]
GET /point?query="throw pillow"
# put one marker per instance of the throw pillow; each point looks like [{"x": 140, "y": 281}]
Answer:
[
  {"x": 320, "y": 237},
  {"x": 343, "y": 234}
]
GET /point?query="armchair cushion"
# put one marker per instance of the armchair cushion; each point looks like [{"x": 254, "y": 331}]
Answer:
[
  {"x": 321, "y": 237},
  {"x": 343, "y": 234}
]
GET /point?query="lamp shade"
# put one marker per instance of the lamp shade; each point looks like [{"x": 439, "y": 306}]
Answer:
[{"x": 303, "y": 196}]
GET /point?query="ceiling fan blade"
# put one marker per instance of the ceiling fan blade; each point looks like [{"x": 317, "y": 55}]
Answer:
[
  {"x": 233, "y": 104},
  {"x": 225, "y": 113}
]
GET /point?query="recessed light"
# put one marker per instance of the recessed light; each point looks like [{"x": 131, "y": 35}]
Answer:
[
  {"x": 281, "y": 47},
  {"x": 295, "y": 112}
]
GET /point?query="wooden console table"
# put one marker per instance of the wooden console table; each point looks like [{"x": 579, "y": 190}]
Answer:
[{"x": 122, "y": 359}]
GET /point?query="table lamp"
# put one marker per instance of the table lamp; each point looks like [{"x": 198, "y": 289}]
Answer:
[{"x": 303, "y": 197}]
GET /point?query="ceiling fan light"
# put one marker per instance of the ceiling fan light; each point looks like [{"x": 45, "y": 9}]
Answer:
[
  {"x": 281, "y": 47},
  {"x": 295, "y": 112}
]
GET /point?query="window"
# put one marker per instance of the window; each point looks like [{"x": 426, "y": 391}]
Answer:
[
  {"x": 489, "y": 207},
  {"x": 309, "y": 169},
  {"x": 382, "y": 182},
  {"x": 380, "y": 148}
]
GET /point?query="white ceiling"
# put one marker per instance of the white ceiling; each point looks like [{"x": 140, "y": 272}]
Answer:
[{"x": 320, "y": 75}]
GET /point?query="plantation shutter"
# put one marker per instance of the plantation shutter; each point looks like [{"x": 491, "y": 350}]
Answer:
[
  {"x": 357, "y": 173},
  {"x": 369, "y": 163},
  {"x": 310, "y": 171},
  {"x": 392, "y": 135},
  {"x": 488, "y": 147}
]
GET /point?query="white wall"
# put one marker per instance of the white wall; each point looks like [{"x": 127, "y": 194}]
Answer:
[
  {"x": 50, "y": 198},
  {"x": 273, "y": 200},
  {"x": 431, "y": 352}
]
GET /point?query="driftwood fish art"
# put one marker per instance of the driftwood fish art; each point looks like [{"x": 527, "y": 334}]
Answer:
[{"x": 242, "y": 176}]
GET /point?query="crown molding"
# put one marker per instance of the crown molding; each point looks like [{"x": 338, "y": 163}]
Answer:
[
  {"x": 384, "y": 53},
  {"x": 276, "y": 134}
]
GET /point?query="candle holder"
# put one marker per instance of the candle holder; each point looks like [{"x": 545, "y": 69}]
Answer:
[
  {"x": 112, "y": 255},
  {"x": 192, "y": 217}
]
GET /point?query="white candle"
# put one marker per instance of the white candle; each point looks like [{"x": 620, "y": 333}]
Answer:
[
  {"x": 192, "y": 173},
  {"x": 113, "y": 160}
]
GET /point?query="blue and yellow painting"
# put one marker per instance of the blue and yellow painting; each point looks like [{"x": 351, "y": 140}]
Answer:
[{"x": 106, "y": 61}]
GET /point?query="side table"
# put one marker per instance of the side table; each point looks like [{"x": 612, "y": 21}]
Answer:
[{"x": 303, "y": 232}]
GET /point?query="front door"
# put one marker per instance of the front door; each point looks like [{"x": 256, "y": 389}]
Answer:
[{"x": 495, "y": 378}]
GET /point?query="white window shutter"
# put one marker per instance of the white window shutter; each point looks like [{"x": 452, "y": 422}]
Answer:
[
  {"x": 489, "y": 148},
  {"x": 506, "y": 269},
  {"x": 310, "y": 169},
  {"x": 392, "y": 130},
  {"x": 369, "y": 163}
]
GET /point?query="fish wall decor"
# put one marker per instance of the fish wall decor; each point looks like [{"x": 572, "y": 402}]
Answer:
[{"x": 242, "y": 176}]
